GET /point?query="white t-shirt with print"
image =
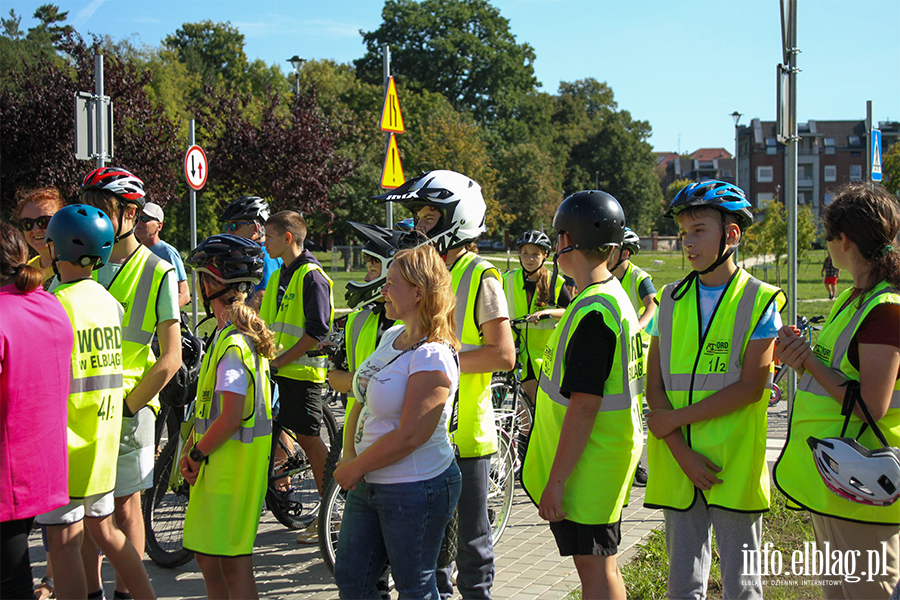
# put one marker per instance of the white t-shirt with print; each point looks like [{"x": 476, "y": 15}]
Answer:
[{"x": 381, "y": 391}]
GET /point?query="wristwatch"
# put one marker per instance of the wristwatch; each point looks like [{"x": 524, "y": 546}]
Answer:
[{"x": 196, "y": 455}]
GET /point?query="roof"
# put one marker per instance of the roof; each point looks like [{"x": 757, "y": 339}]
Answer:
[{"x": 710, "y": 153}]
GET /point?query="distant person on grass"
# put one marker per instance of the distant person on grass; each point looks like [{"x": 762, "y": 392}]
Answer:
[{"x": 830, "y": 275}]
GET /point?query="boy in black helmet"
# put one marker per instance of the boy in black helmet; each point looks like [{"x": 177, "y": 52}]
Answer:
[
  {"x": 246, "y": 217},
  {"x": 588, "y": 411}
]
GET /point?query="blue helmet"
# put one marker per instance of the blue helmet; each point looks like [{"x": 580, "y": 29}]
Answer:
[
  {"x": 716, "y": 194},
  {"x": 80, "y": 231}
]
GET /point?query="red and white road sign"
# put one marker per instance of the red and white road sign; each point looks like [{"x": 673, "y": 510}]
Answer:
[{"x": 196, "y": 169}]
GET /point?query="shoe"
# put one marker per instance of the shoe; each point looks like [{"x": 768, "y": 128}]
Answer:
[
  {"x": 640, "y": 476},
  {"x": 310, "y": 535}
]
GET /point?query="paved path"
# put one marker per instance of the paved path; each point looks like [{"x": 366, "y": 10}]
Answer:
[{"x": 527, "y": 562}]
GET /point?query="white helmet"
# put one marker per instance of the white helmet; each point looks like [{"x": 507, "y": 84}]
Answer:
[
  {"x": 458, "y": 199},
  {"x": 856, "y": 473}
]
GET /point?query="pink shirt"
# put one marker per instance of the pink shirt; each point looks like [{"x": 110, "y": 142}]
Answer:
[{"x": 35, "y": 355}]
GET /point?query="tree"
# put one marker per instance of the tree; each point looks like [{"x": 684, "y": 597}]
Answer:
[
  {"x": 11, "y": 25},
  {"x": 462, "y": 49},
  {"x": 890, "y": 166},
  {"x": 214, "y": 50},
  {"x": 668, "y": 226},
  {"x": 528, "y": 187},
  {"x": 770, "y": 236}
]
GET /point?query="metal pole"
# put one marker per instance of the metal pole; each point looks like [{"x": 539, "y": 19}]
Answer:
[
  {"x": 791, "y": 184},
  {"x": 296, "y": 82},
  {"x": 386, "y": 67},
  {"x": 869, "y": 141},
  {"x": 192, "y": 196},
  {"x": 99, "y": 109}
]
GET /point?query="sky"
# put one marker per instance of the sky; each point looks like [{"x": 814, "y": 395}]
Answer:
[{"x": 683, "y": 66}]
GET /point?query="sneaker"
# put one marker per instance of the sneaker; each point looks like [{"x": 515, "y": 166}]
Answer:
[
  {"x": 310, "y": 535},
  {"x": 640, "y": 477}
]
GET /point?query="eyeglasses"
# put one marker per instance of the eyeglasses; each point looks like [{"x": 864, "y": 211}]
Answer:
[
  {"x": 147, "y": 219},
  {"x": 41, "y": 222},
  {"x": 232, "y": 227}
]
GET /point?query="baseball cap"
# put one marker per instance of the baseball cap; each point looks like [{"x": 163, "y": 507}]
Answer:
[{"x": 154, "y": 210}]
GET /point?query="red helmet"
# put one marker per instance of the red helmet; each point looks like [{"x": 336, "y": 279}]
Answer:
[{"x": 117, "y": 180}]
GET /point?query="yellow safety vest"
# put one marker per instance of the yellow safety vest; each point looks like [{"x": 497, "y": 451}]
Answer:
[
  {"x": 631, "y": 283},
  {"x": 534, "y": 335},
  {"x": 288, "y": 322},
  {"x": 816, "y": 413},
  {"x": 136, "y": 286},
  {"x": 242, "y": 460},
  {"x": 95, "y": 389},
  {"x": 600, "y": 485},
  {"x": 477, "y": 433},
  {"x": 694, "y": 367}
]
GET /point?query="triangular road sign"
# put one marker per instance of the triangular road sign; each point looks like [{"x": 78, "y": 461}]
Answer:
[
  {"x": 876, "y": 155},
  {"x": 392, "y": 172},
  {"x": 391, "y": 117}
]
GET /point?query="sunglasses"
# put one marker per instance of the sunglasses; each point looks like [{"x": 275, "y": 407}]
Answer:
[
  {"x": 41, "y": 222},
  {"x": 147, "y": 219},
  {"x": 232, "y": 227}
]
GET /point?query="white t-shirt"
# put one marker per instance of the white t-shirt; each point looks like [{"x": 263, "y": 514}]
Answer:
[{"x": 381, "y": 391}]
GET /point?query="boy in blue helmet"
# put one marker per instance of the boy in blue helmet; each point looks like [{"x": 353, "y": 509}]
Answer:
[
  {"x": 81, "y": 239},
  {"x": 709, "y": 374}
]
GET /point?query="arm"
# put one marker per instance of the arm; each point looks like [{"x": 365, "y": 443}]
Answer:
[
  {"x": 224, "y": 426},
  {"x": 747, "y": 390},
  {"x": 340, "y": 381},
  {"x": 317, "y": 308},
  {"x": 255, "y": 302},
  {"x": 649, "y": 310},
  {"x": 350, "y": 424},
  {"x": 555, "y": 313},
  {"x": 184, "y": 296},
  {"x": 158, "y": 375},
  {"x": 498, "y": 352},
  {"x": 573, "y": 439},
  {"x": 289, "y": 355},
  {"x": 423, "y": 403}
]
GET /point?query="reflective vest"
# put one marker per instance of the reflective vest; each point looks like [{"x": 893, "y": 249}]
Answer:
[
  {"x": 95, "y": 389},
  {"x": 136, "y": 286},
  {"x": 600, "y": 485},
  {"x": 477, "y": 433},
  {"x": 816, "y": 413},
  {"x": 534, "y": 335},
  {"x": 695, "y": 367},
  {"x": 287, "y": 321},
  {"x": 242, "y": 460},
  {"x": 631, "y": 283}
]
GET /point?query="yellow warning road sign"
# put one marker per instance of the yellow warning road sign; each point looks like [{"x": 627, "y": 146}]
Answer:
[
  {"x": 392, "y": 172},
  {"x": 391, "y": 117}
]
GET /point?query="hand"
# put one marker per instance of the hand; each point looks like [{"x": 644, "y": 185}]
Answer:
[
  {"x": 324, "y": 344},
  {"x": 699, "y": 469},
  {"x": 535, "y": 317},
  {"x": 189, "y": 468},
  {"x": 345, "y": 474},
  {"x": 661, "y": 422},
  {"x": 792, "y": 349},
  {"x": 550, "y": 508}
]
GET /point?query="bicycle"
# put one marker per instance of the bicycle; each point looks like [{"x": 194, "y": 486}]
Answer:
[{"x": 809, "y": 330}]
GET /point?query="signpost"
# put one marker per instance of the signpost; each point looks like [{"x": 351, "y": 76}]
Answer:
[
  {"x": 94, "y": 121},
  {"x": 391, "y": 124},
  {"x": 195, "y": 169},
  {"x": 392, "y": 170},
  {"x": 391, "y": 117},
  {"x": 876, "y": 155}
]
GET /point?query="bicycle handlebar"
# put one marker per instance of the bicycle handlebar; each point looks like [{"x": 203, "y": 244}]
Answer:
[{"x": 522, "y": 320}]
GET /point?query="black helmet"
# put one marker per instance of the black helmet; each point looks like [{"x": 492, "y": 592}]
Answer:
[
  {"x": 79, "y": 231},
  {"x": 182, "y": 388},
  {"x": 631, "y": 241},
  {"x": 721, "y": 195},
  {"x": 246, "y": 208},
  {"x": 382, "y": 244},
  {"x": 120, "y": 182},
  {"x": 592, "y": 219},
  {"x": 538, "y": 238},
  {"x": 231, "y": 260}
]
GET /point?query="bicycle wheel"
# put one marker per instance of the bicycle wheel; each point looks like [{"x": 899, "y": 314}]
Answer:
[
  {"x": 164, "y": 508},
  {"x": 507, "y": 398},
  {"x": 501, "y": 485},
  {"x": 291, "y": 493},
  {"x": 330, "y": 516}
]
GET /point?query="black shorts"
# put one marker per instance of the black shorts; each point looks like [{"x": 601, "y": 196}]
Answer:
[
  {"x": 575, "y": 539},
  {"x": 300, "y": 405}
]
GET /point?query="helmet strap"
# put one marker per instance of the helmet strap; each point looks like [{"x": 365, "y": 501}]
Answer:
[
  {"x": 619, "y": 262},
  {"x": 682, "y": 288},
  {"x": 553, "y": 277}
]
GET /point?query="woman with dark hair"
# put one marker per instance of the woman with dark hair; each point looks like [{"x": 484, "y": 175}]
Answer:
[
  {"x": 855, "y": 366},
  {"x": 33, "y": 211},
  {"x": 34, "y": 387}
]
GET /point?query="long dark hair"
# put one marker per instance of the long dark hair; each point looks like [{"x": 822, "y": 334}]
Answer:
[
  {"x": 13, "y": 254},
  {"x": 868, "y": 215}
]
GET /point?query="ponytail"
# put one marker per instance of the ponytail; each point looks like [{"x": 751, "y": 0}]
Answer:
[
  {"x": 248, "y": 322},
  {"x": 543, "y": 287},
  {"x": 13, "y": 253}
]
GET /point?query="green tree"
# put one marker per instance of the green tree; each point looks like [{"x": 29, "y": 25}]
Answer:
[
  {"x": 890, "y": 167},
  {"x": 11, "y": 26},
  {"x": 462, "y": 49},
  {"x": 213, "y": 50},
  {"x": 528, "y": 187},
  {"x": 770, "y": 236},
  {"x": 668, "y": 226}
]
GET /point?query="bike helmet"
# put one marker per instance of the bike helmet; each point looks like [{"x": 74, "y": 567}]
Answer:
[
  {"x": 120, "y": 182},
  {"x": 631, "y": 241},
  {"x": 856, "y": 473},
  {"x": 246, "y": 208},
  {"x": 724, "y": 196},
  {"x": 593, "y": 219},
  {"x": 381, "y": 244},
  {"x": 233, "y": 261},
  {"x": 81, "y": 233},
  {"x": 455, "y": 196},
  {"x": 538, "y": 238}
]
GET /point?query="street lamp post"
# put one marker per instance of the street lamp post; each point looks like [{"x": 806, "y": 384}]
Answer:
[
  {"x": 737, "y": 149},
  {"x": 296, "y": 61}
]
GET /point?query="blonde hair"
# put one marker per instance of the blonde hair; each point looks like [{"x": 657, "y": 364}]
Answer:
[
  {"x": 424, "y": 268},
  {"x": 244, "y": 318}
]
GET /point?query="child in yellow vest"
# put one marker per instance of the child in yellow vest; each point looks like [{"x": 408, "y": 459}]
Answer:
[
  {"x": 587, "y": 436},
  {"x": 81, "y": 239},
  {"x": 710, "y": 367}
]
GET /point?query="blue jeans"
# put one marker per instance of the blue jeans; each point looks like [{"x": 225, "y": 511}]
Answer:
[{"x": 401, "y": 521}]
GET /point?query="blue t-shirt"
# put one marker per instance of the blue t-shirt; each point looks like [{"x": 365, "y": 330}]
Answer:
[
  {"x": 709, "y": 296},
  {"x": 270, "y": 265},
  {"x": 167, "y": 252}
]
